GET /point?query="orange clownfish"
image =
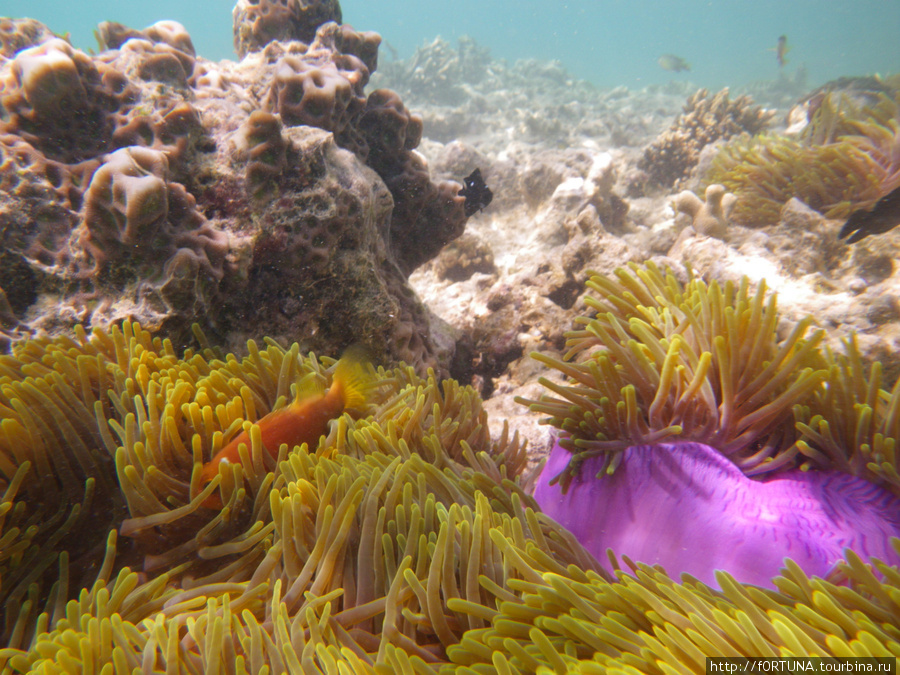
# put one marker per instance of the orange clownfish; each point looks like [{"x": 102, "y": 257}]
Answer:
[{"x": 303, "y": 421}]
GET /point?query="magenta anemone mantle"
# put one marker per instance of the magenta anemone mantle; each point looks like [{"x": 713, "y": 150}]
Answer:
[
  {"x": 696, "y": 435},
  {"x": 688, "y": 508}
]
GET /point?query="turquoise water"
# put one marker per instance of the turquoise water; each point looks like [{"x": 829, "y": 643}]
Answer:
[{"x": 610, "y": 43}]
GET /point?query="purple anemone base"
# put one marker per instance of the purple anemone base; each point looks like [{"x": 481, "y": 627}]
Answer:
[{"x": 688, "y": 508}]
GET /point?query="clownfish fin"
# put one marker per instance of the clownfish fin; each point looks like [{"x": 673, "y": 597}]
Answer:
[
  {"x": 307, "y": 387},
  {"x": 356, "y": 376}
]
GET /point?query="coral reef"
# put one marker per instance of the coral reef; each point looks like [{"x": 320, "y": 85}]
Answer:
[
  {"x": 536, "y": 133},
  {"x": 321, "y": 87},
  {"x": 462, "y": 91},
  {"x": 709, "y": 216},
  {"x": 17, "y": 34},
  {"x": 265, "y": 149},
  {"x": 145, "y": 182},
  {"x": 401, "y": 542},
  {"x": 134, "y": 217},
  {"x": 111, "y": 35},
  {"x": 438, "y": 72},
  {"x": 846, "y": 158},
  {"x": 60, "y": 101},
  {"x": 673, "y": 155},
  {"x": 464, "y": 257}
]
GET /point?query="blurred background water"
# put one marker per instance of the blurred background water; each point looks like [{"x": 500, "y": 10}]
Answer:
[{"x": 607, "y": 42}]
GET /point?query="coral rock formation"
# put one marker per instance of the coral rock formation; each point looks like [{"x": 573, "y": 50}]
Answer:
[
  {"x": 147, "y": 182},
  {"x": 321, "y": 87},
  {"x": 17, "y": 34},
  {"x": 392, "y": 134},
  {"x": 259, "y": 22},
  {"x": 61, "y": 101},
  {"x": 136, "y": 220}
]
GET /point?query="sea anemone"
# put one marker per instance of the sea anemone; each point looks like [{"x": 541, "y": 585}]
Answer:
[
  {"x": 644, "y": 622},
  {"x": 403, "y": 542},
  {"x": 370, "y": 523},
  {"x": 694, "y": 362},
  {"x": 847, "y": 158},
  {"x": 683, "y": 393}
]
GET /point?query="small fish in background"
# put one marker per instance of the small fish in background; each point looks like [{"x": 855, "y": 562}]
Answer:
[
  {"x": 478, "y": 195},
  {"x": 780, "y": 49},
  {"x": 673, "y": 63},
  {"x": 884, "y": 216},
  {"x": 306, "y": 419}
]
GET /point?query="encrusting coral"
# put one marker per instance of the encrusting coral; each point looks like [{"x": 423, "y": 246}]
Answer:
[
  {"x": 846, "y": 158},
  {"x": 259, "y": 22},
  {"x": 403, "y": 542}
]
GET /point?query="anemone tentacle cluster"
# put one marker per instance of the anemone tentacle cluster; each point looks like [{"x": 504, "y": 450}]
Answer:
[
  {"x": 659, "y": 360},
  {"x": 702, "y": 441},
  {"x": 845, "y": 159},
  {"x": 403, "y": 542}
]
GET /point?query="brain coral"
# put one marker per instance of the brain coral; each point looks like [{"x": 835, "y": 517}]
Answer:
[
  {"x": 403, "y": 542},
  {"x": 145, "y": 182}
]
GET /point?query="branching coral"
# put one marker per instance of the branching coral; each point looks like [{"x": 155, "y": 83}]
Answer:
[
  {"x": 403, "y": 542},
  {"x": 704, "y": 120},
  {"x": 847, "y": 158}
]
